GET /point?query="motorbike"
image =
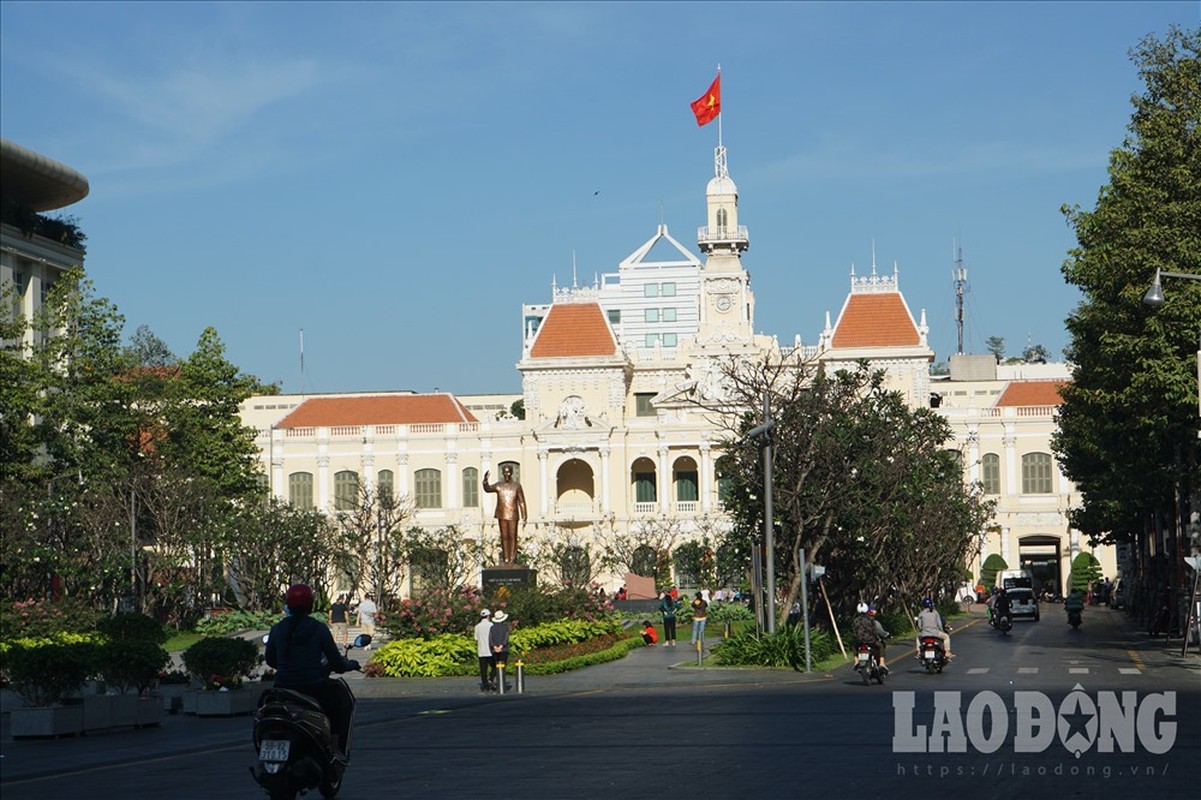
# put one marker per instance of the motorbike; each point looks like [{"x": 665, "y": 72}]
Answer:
[
  {"x": 1003, "y": 623},
  {"x": 294, "y": 742},
  {"x": 931, "y": 654},
  {"x": 867, "y": 664},
  {"x": 1075, "y": 617}
]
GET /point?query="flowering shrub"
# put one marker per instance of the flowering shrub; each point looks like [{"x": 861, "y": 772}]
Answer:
[
  {"x": 434, "y": 613},
  {"x": 31, "y": 618}
]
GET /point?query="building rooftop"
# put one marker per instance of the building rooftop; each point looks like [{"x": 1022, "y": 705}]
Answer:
[{"x": 393, "y": 409}]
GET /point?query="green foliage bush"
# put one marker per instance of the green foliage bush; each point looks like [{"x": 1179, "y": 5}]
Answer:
[
  {"x": 433, "y": 613},
  {"x": 784, "y": 648},
  {"x": 444, "y": 654},
  {"x": 132, "y": 627},
  {"x": 221, "y": 661},
  {"x": 531, "y": 605},
  {"x": 236, "y": 622},
  {"x": 989, "y": 569},
  {"x": 44, "y": 673},
  {"x": 131, "y": 664},
  {"x": 1085, "y": 570},
  {"x": 615, "y": 651}
]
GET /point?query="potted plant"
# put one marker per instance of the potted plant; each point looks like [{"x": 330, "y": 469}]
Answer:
[
  {"x": 223, "y": 664},
  {"x": 128, "y": 662},
  {"x": 45, "y": 674}
]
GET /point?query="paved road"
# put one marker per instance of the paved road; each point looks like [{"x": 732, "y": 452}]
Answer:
[{"x": 645, "y": 727}]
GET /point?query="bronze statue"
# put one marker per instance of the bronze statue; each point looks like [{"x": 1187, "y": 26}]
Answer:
[{"x": 510, "y": 507}]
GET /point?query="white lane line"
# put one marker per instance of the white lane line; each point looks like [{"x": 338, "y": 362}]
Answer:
[
  {"x": 977, "y": 670},
  {"x": 1027, "y": 670},
  {"x": 1078, "y": 670},
  {"x": 1130, "y": 671}
]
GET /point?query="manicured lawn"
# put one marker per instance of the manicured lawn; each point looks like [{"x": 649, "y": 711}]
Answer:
[{"x": 182, "y": 640}]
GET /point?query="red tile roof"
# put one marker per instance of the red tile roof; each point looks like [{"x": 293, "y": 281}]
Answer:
[
  {"x": 395, "y": 409},
  {"x": 875, "y": 320},
  {"x": 572, "y": 330},
  {"x": 1031, "y": 393}
]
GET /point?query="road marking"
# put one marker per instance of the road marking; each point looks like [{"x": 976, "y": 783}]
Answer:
[
  {"x": 1137, "y": 659},
  {"x": 977, "y": 670},
  {"x": 1130, "y": 671},
  {"x": 1027, "y": 670},
  {"x": 1078, "y": 670}
]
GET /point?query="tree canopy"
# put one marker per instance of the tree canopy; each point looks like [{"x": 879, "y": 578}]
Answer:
[{"x": 1128, "y": 427}]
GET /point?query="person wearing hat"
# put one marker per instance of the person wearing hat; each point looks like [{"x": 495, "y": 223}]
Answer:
[
  {"x": 366, "y": 615},
  {"x": 484, "y": 650},
  {"x": 869, "y": 631},
  {"x": 498, "y": 640}
]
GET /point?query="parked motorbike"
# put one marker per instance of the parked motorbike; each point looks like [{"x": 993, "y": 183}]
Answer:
[
  {"x": 294, "y": 741},
  {"x": 867, "y": 664},
  {"x": 931, "y": 654},
  {"x": 1075, "y": 617}
]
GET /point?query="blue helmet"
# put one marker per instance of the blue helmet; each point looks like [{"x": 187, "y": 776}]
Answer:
[{"x": 927, "y": 603}]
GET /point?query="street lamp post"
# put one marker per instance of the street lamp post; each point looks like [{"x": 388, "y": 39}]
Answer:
[
  {"x": 1154, "y": 298},
  {"x": 763, "y": 434}
]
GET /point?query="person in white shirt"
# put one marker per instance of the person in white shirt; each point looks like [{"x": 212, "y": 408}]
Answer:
[
  {"x": 366, "y": 614},
  {"x": 484, "y": 650}
]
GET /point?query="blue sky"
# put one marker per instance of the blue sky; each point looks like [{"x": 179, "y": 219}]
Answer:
[{"x": 396, "y": 179}]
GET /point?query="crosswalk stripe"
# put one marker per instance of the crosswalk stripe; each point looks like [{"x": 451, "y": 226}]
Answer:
[
  {"x": 1027, "y": 670},
  {"x": 1130, "y": 670},
  {"x": 977, "y": 670},
  {"x": 1078, "y": 670}
]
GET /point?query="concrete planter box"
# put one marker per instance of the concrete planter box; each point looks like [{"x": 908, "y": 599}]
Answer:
[
  {"x": 170, "y": 697},
  {"x": 47, "y": 722},
  {"x": 149, "y": 712},
  {"x": 227, "y": 704},
  {"x": 10, "y": 700},
  {"x": 97, "y": 712}
]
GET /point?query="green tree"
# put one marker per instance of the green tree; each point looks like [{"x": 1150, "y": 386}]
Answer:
[
  {"x": 1085, "y": 570},
  {"x": 996, "y": 346},
  {"x": 989, "y": 569},
  {"x": 1128, "y": 427},
  {"x": 861, "y": 481},
  {"x": 148, "y": 350}
]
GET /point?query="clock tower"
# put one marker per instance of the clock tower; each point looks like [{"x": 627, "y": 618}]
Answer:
[{"x": 727, "y": 307}]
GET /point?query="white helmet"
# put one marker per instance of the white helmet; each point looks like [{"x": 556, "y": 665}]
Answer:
[{"x": 861, "y": 608}]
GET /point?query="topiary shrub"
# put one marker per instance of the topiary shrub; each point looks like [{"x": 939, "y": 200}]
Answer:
[
  {"x": 989, "y": 569},
  {"x": 131, "y": 664},
  {"x": 44, "y": 673},
  {"x": 221, "y": 662}
]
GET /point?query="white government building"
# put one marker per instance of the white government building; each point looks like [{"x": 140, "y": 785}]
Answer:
[{"x": 612, "y": 439}]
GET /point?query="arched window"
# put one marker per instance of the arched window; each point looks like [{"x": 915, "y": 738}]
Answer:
[
  {"x": 643, "y": 561},
  {"x": 427, "y": 485},
  {"x": 686, "y": 486},
  {"x": 300, "y": 489},
  {"x": 471, "y": 488},
  {"x": 575, "y": 566},
  {"x": 722, "y": 219},
  {"x": 346, "y": 490},
  {"x": 990, "y": 473},
  {"x": 1036, "y": 473},
  {"x": 385, "y": 485},
  {"x": 642, "y": 476}
]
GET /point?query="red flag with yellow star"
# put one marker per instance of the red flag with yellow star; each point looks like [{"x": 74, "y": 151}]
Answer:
[{"x": 708, "y": 105}]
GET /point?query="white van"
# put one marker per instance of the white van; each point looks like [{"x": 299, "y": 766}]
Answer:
[{"x": 1015, "y": 579}]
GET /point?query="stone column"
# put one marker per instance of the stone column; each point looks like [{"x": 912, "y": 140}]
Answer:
[
  {"x": 606, "y": 500},
  {"x": 544, "y": 481},
  {"x": 664, "y": 480}
]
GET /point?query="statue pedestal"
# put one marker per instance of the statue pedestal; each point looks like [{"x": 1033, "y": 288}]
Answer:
[{"x": 510, "y": 576}]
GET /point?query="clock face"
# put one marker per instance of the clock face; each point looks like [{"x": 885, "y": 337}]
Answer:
[{"x": 723, "y": 303}]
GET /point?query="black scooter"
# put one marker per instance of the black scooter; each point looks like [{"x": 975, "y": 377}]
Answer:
[
  {"x": 294, "y": 742},
  {"x": 1075, "y": 617},
  {"x": 931, "y": 654}
]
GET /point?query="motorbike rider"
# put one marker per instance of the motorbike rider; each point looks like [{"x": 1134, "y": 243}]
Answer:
[
  {"x": 869, "y": 631},
  {"x": 302, "y": 651},
  {"x": 1000, "y": 605},
  {"x": 1074, "y": 602},
  {"x": 930, "y": 623}
]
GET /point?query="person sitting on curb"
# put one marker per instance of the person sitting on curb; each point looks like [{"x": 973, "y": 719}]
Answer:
[{"x": 649, "y": 636}]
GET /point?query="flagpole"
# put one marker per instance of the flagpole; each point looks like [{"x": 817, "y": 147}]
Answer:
[{"x": 719, "y": 110}]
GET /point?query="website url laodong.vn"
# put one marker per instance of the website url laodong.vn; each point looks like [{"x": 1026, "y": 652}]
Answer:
[{"x": 1005, "y": 769}]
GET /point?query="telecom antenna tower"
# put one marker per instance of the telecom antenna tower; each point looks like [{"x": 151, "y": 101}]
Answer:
[{"x": 960, "y": 276}]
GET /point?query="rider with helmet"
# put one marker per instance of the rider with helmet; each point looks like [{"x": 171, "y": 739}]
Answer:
[
  {"x": 869, "y": 631},
  {"x": 999, "y": 605},
  {"x": 930, "y": 623},
  {"x": 302, "y": 651}
]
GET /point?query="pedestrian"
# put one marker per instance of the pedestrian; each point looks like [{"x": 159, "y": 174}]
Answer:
[
  {"x": 649, "y": 637},
  {"x": 700, "y": 610},
  {"x": 667, "y": 609},
  {"x": 498, "y": 642},
  {"x": 483, "y": 649},
  {"x": 366, "y": 616},
  {"x": 338, "y": 618}
]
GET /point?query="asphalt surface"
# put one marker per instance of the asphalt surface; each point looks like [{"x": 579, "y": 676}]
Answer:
[{"x": 653, "y": 723}]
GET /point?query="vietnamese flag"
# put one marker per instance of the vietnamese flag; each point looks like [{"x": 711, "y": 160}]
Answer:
[{"x": 708, "y": 106}]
